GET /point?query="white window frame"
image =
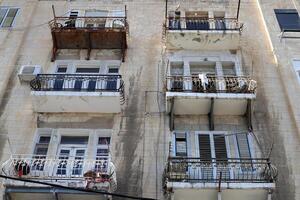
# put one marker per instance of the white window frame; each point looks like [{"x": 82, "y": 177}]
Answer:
[
  {"x": 297, "y": 68},
  {"x": 14, "y": 20}
]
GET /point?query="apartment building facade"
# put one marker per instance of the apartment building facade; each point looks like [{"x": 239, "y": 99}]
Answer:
[{"x": 143, "y": 99}]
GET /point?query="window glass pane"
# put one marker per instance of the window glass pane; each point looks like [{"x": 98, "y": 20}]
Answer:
[
  {"x": 88, "y": 70},
  {"x": 10, "y": 17},
  {"x": 243, "y": 145},
  {"x": 181, "y": 147},
  {"x": 2, "y": 14},
  {"x": 113, "y": 70},
  {"x": 44, "y": 139},
  {"x": 41, "y": 149},
  {"x": 61, "y": 69},
  {"x": 104, "y": 140},
  {"x": 288, "y": 19},
  {"x": 102, "y": 152},
  {"x": 228, "y": 68},
  {"x": 74, "y": 139}
]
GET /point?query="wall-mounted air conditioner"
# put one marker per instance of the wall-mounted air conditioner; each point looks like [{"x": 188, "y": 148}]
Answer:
[{"x": 28, "y": 72}]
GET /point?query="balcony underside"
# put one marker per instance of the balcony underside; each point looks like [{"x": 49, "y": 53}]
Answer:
[
  {"x": 89, "y": 39},
  {"x": 45, "y": 193},
  {"x": 203, "y": 39},
  {"x": 227, "y": 193},
  {"x": 205, "y": 103},
  {"x": 82, "y": 102}
]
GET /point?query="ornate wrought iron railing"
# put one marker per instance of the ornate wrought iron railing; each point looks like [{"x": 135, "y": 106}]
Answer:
[
  {"x": 59, "y": 167},
  {"x": 230, "y": 170},
  {"x": 98, "y": 172},
  {"x": 211, "y": 84},
  {"x": 77, "y": 82},
  {"x": 206, "y": 24},
  {"x": 91, "y": 23}
]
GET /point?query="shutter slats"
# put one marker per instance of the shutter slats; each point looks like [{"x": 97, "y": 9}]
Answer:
[
  {"x": 204, "y": 147},
  {"x": 220, "y": 147}
]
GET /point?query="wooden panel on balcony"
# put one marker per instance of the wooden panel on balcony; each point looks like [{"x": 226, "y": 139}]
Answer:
[{"x": 69, "y": 33}]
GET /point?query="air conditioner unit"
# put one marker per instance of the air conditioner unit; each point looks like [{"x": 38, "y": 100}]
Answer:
[{"x": 28, "y": 72}]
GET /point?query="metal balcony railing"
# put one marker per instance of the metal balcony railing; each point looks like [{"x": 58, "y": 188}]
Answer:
[
  {"x": 211, "y": 84},
  {"x": 97, "y": 173},
  {"x": 60, "y": 167},
  {"x": 77, "y": 82},
  {"x": 231, "y": 170},
  {"x": 88, "y": 23},
  {"x": 208, "y": 24}
]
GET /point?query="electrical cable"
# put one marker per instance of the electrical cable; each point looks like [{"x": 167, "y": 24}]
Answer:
[{"x": 72, "y": 188}]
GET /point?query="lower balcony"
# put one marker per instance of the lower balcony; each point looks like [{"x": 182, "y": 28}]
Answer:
[
  {"x": 202, "y": 95},
  {"x": 231, "y": 179},
  {"x": 77, "y": 93},
  {"x": 76, "y": 172}
]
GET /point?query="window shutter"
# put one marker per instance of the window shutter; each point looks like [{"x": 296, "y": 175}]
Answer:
[
  {"x": 10, "y": 17},
  {"x": 220, "y": 147},
  {"x": 204, "y": 147},
  {"x": 243, "y": 145}
]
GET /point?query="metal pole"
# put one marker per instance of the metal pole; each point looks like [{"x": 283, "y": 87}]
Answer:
[
  {"x": 166, "y": 12},
  {"x": 53, "y": 11},
  {"x": 238, "y": 10}
]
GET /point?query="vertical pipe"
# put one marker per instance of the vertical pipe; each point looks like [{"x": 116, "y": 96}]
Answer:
[
  {"x": 238, "y": 10},
  {"x": 166, "y": 11}
]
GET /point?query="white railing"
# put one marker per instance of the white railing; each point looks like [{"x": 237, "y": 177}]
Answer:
[{"x": 89, "y": 173}]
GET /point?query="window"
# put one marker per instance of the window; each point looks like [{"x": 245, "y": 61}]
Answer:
[
  {"x": 288, "y": 19},
  {"x": 204, "y": 67},
  {"x": 62, "y": 69},
  {"x": 228, "y": 68},
  {"x": 243, "y": 145},
  {"x": 40, "y": 152},
  {"x": 180, "y": 144},
  {"x": 81, "y": 140},
  {"x": 113, "y": 70},
  {"x": 296, "y": 64},
  {"x": 7, "y": 16},
  {"x": 102, "y": 154},
  {"x": 87, "y": 70}
]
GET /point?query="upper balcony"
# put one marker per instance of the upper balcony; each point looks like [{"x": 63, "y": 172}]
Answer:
[
  {"x": 234, "y": 178},
  {"x": 93, "y": 30},
  {"x": 79, "y": 172},
  {"x": 197, "y": 30},
  {"x": 202, "y": 94},
  {"x": 93, "y": 93}
]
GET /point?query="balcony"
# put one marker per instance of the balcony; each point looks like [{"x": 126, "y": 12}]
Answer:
[
  {"x": 77, "y": 93},
  {"x": 204, "y": 94},
  {"x": 78, "y": 172},
  {"x": 232, "y": 178},
  {"x": 89, "y": 33},
  {"x": 203, "y": 33}
]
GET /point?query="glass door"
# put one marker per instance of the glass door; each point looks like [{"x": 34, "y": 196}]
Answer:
[{"x": 71, "y": 161}]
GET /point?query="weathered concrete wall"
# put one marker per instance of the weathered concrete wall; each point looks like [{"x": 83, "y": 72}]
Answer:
[{"x": 204, "y": 40}]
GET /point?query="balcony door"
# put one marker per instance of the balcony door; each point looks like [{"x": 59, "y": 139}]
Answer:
[
  {"x": 71, "y": 160},
  {"x": 214, "y": 155},
  {"x": 71, "y": 154}
]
